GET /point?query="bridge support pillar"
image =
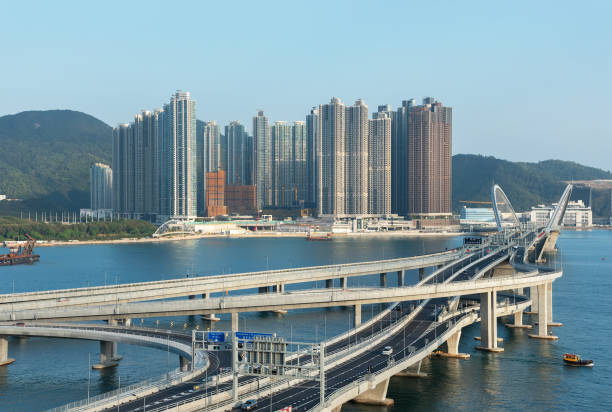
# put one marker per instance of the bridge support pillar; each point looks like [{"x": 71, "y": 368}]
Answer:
[
  {"x": 4, "y": 359},
  {"x": 343, "y": 283},
  {"x": 126, "y": 322},
  {"x": 533, "y": 295},
  {"x": 375, "y": 395},
  {"x": 549, "y": 305},
  {"x": 413, "y": 372},
  {"x": 357, "y": 318},
  {"x": 185, "y": 364},
  {"x": 488, "y": 322},
  {"x": 452, "y": 348},
  {"x": 210, "y": 316},
  {"x": 329, "y": 283},
  {"x": 421, "y": 273},
  {"x": 112, "y": 322},
  {"x": 400, "y": 278},
  {"x": 234, "y": 321},
  {"x": 518, "y": 322},
  {"x": 383, "y": 280},
  {"x": 108, "y": 355},
  {"x": 543, "y": 314}
]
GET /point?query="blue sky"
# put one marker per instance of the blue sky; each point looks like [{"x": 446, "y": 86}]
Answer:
[{"x": 527, "y": 80}]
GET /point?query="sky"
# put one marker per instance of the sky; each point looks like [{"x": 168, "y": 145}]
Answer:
[{"x": 527, "y": 80}]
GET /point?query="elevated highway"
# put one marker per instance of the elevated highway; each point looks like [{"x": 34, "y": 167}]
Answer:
[{"x": 207, "y": 285}]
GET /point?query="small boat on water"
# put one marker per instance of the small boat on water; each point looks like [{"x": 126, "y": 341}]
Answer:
[
  {"x": 320, "y": 236},
  {"x": 572, "y": 359}
]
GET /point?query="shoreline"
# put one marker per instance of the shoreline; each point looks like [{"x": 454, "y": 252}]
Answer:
[{"x": 51, "y": 243}]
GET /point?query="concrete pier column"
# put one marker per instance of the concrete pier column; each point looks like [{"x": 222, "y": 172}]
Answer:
[
  {"x": 383, "y": 280},
  {"x": 543, "y": 314},
  {"x": 108, "y": 355},
  {"x": 329, "y": 283},
  {"x": 211, "y": 316},
  {"x": 127, "y": 322},
  {"x": 112, "y": 322},
  {"x": 343, "y": 283},
  {"x": 4, "y": 359},
  {"x": 421, "y": 273},
  {"x": 234, "y": 322},
  {"x": 533, "y": 295},
  {"x": 357, "y": 317},
  {"x": 549, "y": 305},
  {"x": 452, "y": 348},
  {"x": 185, "y": 364},
  {"x": 400, "y": 278},
  {"x": 518, "y": 322},
  {"x": 375, "y": 395},
  {"x": 280, "y": 288},
  {"x": 488, "y": 322}
]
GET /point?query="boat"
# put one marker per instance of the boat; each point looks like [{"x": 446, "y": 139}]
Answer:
[
  {"x": 321, "y": 236},
  {"x": 19, "y": 253},
  {"x": 572, "y": 359}
]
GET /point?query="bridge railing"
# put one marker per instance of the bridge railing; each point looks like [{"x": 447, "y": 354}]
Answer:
[{"x": 126, "y": 393}]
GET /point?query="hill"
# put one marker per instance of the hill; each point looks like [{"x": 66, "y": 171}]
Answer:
[
  {"x": 46, "y": 157},
  {"x": 526, "y": 184}
]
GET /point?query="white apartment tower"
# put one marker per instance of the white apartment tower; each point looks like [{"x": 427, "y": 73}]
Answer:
[
  {"x": 178, "y": 160},
  {"x": 379, "y": 165},
  {"x": 356, "y": 158},
  {"x": 263, "y": 149},
  {"x": 101, "y": 186},
  {"x": 330, "y": 150}
]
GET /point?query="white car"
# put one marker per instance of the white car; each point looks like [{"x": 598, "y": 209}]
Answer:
[{"x": 388, "y": 350}]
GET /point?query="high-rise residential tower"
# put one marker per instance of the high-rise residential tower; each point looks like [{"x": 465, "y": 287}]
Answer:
[
  {"x": 379, "y": 164},
  {"x": 299, "y": 163},
  {"x": 178, "y": 172},
  {"x": 429, "y": 159},
  {"x": 123, "y": 181},
  {"x": 399, "y": 158},
  {"x": 312, "y": 172},
  {"x": 101, "y": 186},
  {"x": 263, "y": 152},
  {"x": 211, "y": 147},
  {"x": 238, "y": 156},
  {"x": 356, "y": 159},
  {"x": 330, "y": 148},
  {"x": 282, "y": 170}
]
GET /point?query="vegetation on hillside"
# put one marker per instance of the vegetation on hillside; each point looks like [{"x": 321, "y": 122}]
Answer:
[
  {"x": 46, "y": 155},
  {"x": 12, "y": 228},
  {"x": 526, "y": 184}
]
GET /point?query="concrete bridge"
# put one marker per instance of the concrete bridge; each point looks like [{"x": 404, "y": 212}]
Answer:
[{"x": 486, "y": 273}]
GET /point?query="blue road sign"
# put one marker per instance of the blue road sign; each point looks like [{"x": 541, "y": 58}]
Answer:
[
  {"x": 216, "y": 337},
  {"x": 251, "y": 335}
]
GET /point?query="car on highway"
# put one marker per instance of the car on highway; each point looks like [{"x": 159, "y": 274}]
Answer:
[
  {"x": 387, "y": 350},
  {"x": 249, "y": 405}
]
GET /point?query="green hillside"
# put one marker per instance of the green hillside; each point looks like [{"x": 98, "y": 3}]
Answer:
[
  {"x": 526, "y": 184},
  {"x": 46, "y": 157}
]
